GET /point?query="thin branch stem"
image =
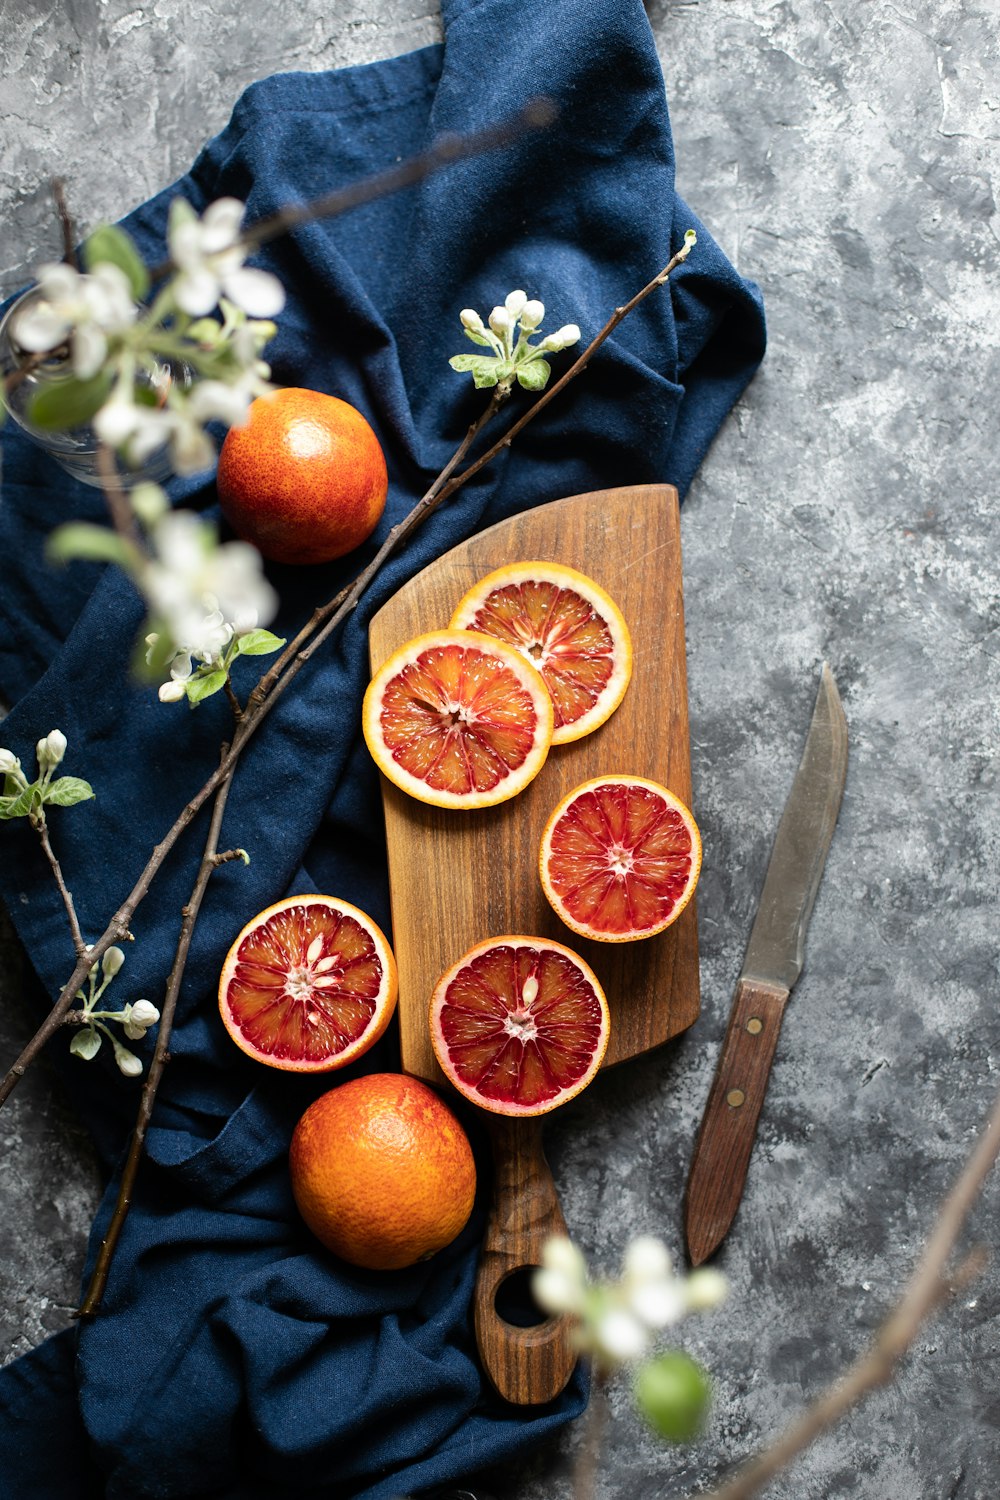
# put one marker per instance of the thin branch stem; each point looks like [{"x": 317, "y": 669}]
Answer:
[
  {"x": 120, "y": 511},
  {"x": 928, "y": 1288},
  {"x": 294, "y": 657},
  {"x": 161, "y": 1057},
  {"x": 41, "y": 829},
  {"x": 65, "y": 223},
  {"x": 234, "y": 702},
  {"x": 585, "y": 1469}
]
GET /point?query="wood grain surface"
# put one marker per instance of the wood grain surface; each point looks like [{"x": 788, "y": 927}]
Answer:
[
  {"x": 459, "y": 877},
  {"x": 729, "y": 1124}
]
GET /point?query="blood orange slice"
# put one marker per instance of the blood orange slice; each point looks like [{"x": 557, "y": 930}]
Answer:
[
  {"x": 458, "y": 719},
  {"x": 620, "y": 858},
  {"x": 519, "y": 1025},
  {"x": 568, "y": 627},
  {"x": 309, "y": 985}
]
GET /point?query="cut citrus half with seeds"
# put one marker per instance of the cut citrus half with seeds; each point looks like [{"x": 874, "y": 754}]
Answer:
[
  {"x": 568, "y": 627},
  {"x": 519, "y": 1025},
  {"x": 620, "y": 858},
  {"x": 458, "y": 719},
  {"x": 309, "y": 985}
]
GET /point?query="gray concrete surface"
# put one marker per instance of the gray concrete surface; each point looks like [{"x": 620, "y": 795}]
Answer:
[{"x": 847, "y": 155}]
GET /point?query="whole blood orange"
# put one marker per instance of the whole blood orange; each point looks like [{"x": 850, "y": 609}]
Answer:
[
  {"x": 304, "y": 479},
  {"x": 519, "y": 1025},
  {"x": 620, "y": 858},
  {"x": 382, "y": 1171},
  {"x": 308, "y": 985}
]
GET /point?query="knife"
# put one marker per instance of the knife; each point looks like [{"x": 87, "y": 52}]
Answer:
[{"x": 771, "y": 967}]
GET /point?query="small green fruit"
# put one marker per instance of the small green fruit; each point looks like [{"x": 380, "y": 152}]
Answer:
[{"x": 673, "y": 1395}]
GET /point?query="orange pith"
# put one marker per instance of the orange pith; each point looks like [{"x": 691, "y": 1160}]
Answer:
[
  {"x": 567, "y": 626},
  {"x": 519, "y": 1025},
  {"x": 308, "y": 985},
  {"x": 382, "y": 1171},
  {"x": 458, "y": 719},
  {"x": 620, "y": 858}
]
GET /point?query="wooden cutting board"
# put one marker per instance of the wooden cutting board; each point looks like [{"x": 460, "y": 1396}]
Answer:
[{"x": 459, "y": 877}]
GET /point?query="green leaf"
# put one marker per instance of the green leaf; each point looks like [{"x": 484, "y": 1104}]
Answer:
[
  {"x": 258, "y": 643},
  {"x": 477, "y": 338},
  {"x": 204, "y": 687},
  {"x": 109, "y": 243},
  {"x": 86, "y": 1043},
  {"x": 534, "y": 374},
  {"x": 68, "y": 403},
  {"x": 92, "y": 543},
  {"x": 20, "y": 806},
  {"x": 68, "y": 791},
  {"x": 673, "y": 1393},
  {"x": 487, "y": 373},
  {"x": 464, "y": 362},
  {"x": 205, "y": 331}
]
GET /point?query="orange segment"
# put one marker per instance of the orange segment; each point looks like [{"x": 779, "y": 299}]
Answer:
[
  {"x": 308, "y": 985},
  {"x": 458, "y": 719},
  {"x": 519, "y": 1025},
  {"x": 564, "y": 624},
  {"x": 620, "y": 858}
]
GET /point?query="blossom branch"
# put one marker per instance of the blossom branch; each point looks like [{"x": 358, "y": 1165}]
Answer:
[
  {"x": 210, "y": 860},
  {"x": 929, "y": 1287},
  {"x": 67, "y": 898},
  {"x": 294, "y": 657},
  {"x": 65, "y": 223}
]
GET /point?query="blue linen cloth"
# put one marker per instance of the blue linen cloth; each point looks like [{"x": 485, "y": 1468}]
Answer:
[{"x": 234, "y": 1358}]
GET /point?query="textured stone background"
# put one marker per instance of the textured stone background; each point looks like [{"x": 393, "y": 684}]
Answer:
[{"x": 847, "y": 156}]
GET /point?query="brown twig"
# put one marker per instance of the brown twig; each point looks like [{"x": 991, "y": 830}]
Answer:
[
  {"x": 65, "y": 223},
  {"x": 294, "y": 657},
  {"x": 121, "y": 513},
  {"x": 585, "y": 1468},
  {"x": 928, "y": 1288},
  {"x": 41, "y": 829},
  {"x": 234, "y": 702},
  {"x": 209, "y": 862}
]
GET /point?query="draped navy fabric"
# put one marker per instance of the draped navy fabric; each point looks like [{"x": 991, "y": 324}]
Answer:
[{"x": 233, "y": 1357}]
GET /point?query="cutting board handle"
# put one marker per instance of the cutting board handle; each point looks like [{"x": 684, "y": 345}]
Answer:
[{"x": 527, "y": 1366}]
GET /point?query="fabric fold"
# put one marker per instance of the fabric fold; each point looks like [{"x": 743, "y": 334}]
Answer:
[{"x": 233, "y": 1357}]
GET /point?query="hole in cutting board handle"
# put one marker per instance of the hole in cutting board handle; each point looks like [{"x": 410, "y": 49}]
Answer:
[{"x": 514, "y": 1302}]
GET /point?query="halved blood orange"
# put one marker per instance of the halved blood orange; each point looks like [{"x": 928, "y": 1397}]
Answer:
[
  {"x": 519, "y": 1025},
  {"x": 620, "y": 858},
  {"x": 458, "y": 719},
  {"x": 309, "y": 985},
  {"x": 568, "y": 627}
]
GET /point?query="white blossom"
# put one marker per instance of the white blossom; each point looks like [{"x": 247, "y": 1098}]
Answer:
[
  {"x": 469, "y": 318},
  {"x": 112, "y": 962},
  {"x": 532, "y": 314},
  {"x": 50, "y": 750},
  {"x": 561, "y": 339},
  {"x": 500, "y": 321},
  {"x": 137, "y": 1019},
  {"x": 514, "y": 304},
  {"x": 9, "y": 763},
  {"x": 619, "y": 1335},
  {"x": 654, "y": 1293},
  {"x": 560, "y": 1286},
  {"x": 705, "y": 1288},
  {"x": 127, "y": 1061},
  {"x": 82, "y": 308},
  {"x": 210, "y": 262}
]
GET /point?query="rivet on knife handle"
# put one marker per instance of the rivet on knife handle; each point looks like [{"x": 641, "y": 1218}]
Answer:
[
  {"x": 528, "y": 1366},
  {"x": 728, "y": 1127}
]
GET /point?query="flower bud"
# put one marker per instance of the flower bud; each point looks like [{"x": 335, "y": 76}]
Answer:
[
  {"x": 143, "y": 1013},
  {"x": 562, "y": 338},
  {"x": 112, "y": 962},
  {"x": 500, "y": 320},
  {"x": 471, "y": 319},
  {"x": 172, "y": 692},
  {"x": 9, "y": 763},
  {"x": 514, "y": 303},
  {"x": 705, "y": 1288},
  {"x": 127, "y": 1061},
  {"x": 51, "y": 750},
  {"x": 532, "y": 314}
]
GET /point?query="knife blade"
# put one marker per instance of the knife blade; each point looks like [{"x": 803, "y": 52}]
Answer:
[{"x": 773, "y": 963}]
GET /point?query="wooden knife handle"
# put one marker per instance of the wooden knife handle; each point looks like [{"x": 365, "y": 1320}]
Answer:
[
  {"x": 725, "y": 1140},
  {"x": 527, "y": 1366}
]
